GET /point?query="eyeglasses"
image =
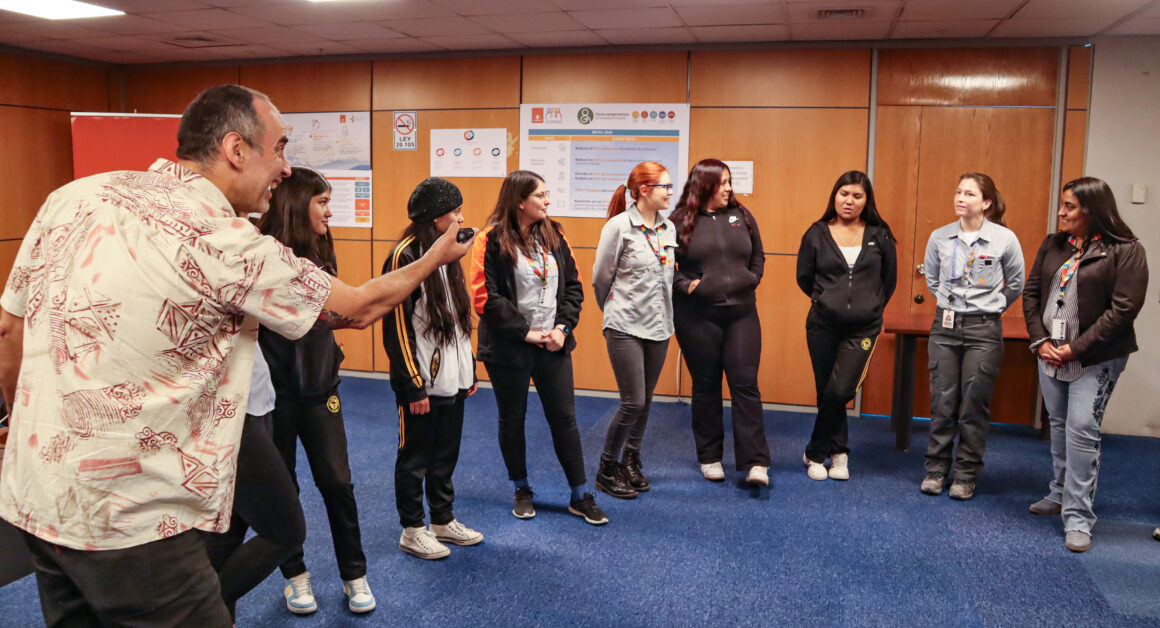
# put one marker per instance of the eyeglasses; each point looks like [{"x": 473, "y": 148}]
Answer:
[
  {"x": 543, "y": 196},
  {"x": 667, "y": 186}
]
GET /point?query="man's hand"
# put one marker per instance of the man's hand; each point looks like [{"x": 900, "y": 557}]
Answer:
[
  {"x": 474, "y": 389},
  {"x": 446, "y": 249},
  {"x": 421, "y": 407},
  {"x": 693, "y": 285}
]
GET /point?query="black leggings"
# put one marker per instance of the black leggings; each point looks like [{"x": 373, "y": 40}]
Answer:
[
  {"x": 715, "y": 339},
  {"x": 265, "y": 500},
  {"x": 324, "y": 439},
  {"x": 552, "y": 373},
  {"x": 839, "y": 359},
  {"x": 428, "y": 452}
]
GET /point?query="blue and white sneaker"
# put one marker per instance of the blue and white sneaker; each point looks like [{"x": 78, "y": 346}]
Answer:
[
  {"x": 359, "y": 598},
  {"x": 299, "y": 596}
]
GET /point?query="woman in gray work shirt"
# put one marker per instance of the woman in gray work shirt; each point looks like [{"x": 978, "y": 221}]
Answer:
[
  {"x": 633, "y": 281},
  {"x": 974, "y": 268}
]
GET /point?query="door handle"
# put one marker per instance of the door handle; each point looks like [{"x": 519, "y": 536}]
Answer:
[{"x": 918, "y": 298}]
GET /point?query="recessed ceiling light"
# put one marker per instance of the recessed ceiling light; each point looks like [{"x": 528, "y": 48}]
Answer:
[{"x": 57, "y": 9}]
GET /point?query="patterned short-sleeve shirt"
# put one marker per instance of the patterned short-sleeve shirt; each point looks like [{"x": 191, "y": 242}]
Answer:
[{"x": 141, "y": 294}]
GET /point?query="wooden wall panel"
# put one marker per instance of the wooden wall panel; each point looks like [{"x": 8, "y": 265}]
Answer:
[
  {"x": 797, "y": 155},
  {"x": 780, "y": 78},
  {"x": 169, "y": 90},
  {"x": 785, "y": 375},
  {"x": 1079, "y": 76},
  {"x": 1074, "y": 141},
  {"x": 398, "y": 172},
  {"x": 307, "y": 87},
  {"x": 974, "y": 76},
  {"x": 36, "y": 158},
  {"x": 354, "y": 268},
  {"x": 35, "y": 82},
  {"x": 8, "y": 251},
  {"x": 606, "y": 78},
  {"x": 478, "y": 82}
]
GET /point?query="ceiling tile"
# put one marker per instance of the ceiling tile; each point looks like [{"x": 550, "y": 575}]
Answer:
[
  {"x": 944, "y": 10},
  {"x": 438, "y": 27},
  {"x": 562, "y": 39},
  {"x": 209, "y": 19},
  {"x": 267, "y": 34},
  {"x": 125, "y": 43},
  {"x": 838, "y": 31},
  {"x": 876, "y": 10},
  {"x": 235, "y": 3},
  {"x": 395, "y": 44},
  {"x": 529, "y": 22},
  {"x": 727, "y": 34},
  {"x": 47, "y": 29},
  {"x": 1078, "y": 9},
  {"x": 1136, "y": 26},
  {"x": 735, "y": 14},
  {"x": 1051, "y": 28},
  {"x": 396, "y": 10},
  {"x": 131, "y": 25},
  {"x": 298, "y": 13},
  {"x": 942, "y": 30},
  {"x": 587, "y": 5},
  {"x": 152, "y": 6},
  {"x": 1153, "y": 10},
  {"x": 488, "y": 41},
  {"x": 59, "y": 46},
  {"x": 628, "y": 36},
  {"x": 636, "y": 19},
  {"x": 318, "y": 48},
  {"x": 354, "y": 30},
  {"x": 492, "y": 7}
]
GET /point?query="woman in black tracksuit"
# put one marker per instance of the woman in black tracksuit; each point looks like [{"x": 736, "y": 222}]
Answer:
[
  {"x": 720, "y": 261},
  {"x": 307, "y": 406},
  {"x": 847, "y": 265},
  {"x": 527, "y": 293}
]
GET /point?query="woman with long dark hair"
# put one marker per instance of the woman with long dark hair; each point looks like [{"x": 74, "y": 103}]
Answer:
[
  {"x": 428, "y": 339},
  {"x": 307, "y": 406},
  {"x": 1084, "y": 291},
  {"x": 848, "y": 266},
  {"x": 633, "y": 282},
  {"x": 974, "y": 268},
  {"x": 527, "y": 293},
  {"x": 720, "y": 261}
]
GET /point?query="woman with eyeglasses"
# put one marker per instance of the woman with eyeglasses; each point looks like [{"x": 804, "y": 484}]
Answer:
[
  {"x": 633, "y": 283},
  {"x": 1083, "y": 294},
  {"x": 974, "y": 268},
  {"x": 720, "y": 261},
  {"x": 527, "y": 293}
]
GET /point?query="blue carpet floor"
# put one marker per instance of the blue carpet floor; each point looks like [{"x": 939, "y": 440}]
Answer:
[{"x": 872, "y": 551}]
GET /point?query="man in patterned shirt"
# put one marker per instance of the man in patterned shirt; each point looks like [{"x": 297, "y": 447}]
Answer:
[{"x": 127, "y": 330}]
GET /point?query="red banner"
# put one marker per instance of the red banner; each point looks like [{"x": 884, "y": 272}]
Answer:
[{"x": 103, "y": 142}]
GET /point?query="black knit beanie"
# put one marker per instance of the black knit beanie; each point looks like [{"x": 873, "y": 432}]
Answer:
[{"x": 432, "y": 198}]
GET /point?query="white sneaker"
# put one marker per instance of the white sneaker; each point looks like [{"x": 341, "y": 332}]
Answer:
[
  {"x": 758, "y": 475},
  {"x": 840, "y": 467},
  {"x": 359, "y": 598},
  {"x": 457, "y": 533},
  {"x": 299, "y": 596},
  {"x": 816, "y": 470},
  {"x": 420, "y": 542},
  {"x": 713, "y": 471}
]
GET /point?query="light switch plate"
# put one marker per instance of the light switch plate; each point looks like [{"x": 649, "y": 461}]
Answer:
[{"x": 1139, "y": 193}]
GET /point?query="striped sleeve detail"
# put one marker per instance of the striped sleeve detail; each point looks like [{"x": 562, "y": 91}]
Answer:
[
  {"x": 475, "y": 273},
  {"x": 401, "y": 324}
]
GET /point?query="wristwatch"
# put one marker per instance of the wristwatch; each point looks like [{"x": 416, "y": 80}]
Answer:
[{"x": 564, "y": 328}]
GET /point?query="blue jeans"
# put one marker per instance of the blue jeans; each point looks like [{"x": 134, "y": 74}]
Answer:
[{"x": 1076, "y": 410}]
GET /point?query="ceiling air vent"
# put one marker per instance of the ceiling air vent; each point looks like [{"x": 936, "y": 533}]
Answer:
[{"x": 841, "y": 14}]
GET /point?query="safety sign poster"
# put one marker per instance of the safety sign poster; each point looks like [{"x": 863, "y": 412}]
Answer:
[
  {"x": 469, "y": 152},
  {"x": 585, "y": 151},
  {"x": 338, "y": 145},
  {"x": 406, "y": 130}
]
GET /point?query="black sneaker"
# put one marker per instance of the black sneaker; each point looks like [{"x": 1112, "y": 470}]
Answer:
[
  {"x": 587, "y": 508},
  {"x": 524, "y": 508}
]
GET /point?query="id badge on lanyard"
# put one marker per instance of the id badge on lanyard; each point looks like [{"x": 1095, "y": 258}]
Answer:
[
  {"x": 948, "y": 319},
  {"x": 1058, "y": 329}
]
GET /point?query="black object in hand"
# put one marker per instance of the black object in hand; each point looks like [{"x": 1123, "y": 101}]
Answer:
[{"x": 464, "y": 234}]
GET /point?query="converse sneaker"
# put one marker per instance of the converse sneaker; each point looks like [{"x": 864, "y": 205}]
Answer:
[
  {"x": 359, "y": 598},
  {"x": 815, "y": 470},
  {"x": 524, "y": 508},
  {"x": 420, "y": 542},
  {"x": 932, "y": 484},
  {"x": 588, "y": 509},
  {"x": 457, "y": 533},
  {"x": 713, "y": 471},
  {"x": 840, "y": 467},
  {"x": 299, "y": 596},
  {"x": 962, "y": 490},
  {"x": 758, "y": 475}
]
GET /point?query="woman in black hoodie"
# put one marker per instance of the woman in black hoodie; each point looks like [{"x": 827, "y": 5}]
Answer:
[{"x": 847, "y": 265}]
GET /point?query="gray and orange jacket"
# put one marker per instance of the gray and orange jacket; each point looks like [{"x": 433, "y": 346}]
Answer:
[
  {"x": 502, "y": 328},
  {"x": 421, "y": 368}
]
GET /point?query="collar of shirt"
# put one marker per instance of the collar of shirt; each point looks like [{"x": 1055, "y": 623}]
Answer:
[
  {"x": 203, "y": 185},
  {"x": 986, "y": 231},
  {"x": 635, "y": 220}
]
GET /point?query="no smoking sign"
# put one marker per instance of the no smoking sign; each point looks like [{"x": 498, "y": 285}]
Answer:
[{"x": 406, "y": 135}]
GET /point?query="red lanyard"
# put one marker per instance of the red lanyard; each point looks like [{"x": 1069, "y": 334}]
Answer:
[
  {"x": 658, "y": 251},
  {"x": 1072, "y": 265},
  {"x": 542, "y": 271}
]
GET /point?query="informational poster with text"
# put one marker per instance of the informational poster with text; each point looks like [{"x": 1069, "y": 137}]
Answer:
[
  {"x": 469, "y": 153},
  {"x": 741, "y": 173},
  {"x": 338, "y": 145},
  {"x": 585, "y": 151}
]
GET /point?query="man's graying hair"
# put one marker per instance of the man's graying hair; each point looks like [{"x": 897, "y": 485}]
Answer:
[{"x": 211, "y": 116}]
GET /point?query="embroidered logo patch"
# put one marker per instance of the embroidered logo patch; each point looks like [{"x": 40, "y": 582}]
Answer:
[
  {"x": 866, "y": 344},
  {"x": 333, "y": 404}
]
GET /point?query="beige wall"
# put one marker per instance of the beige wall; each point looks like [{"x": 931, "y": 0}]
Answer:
[{"x": 1124, "y": 148}]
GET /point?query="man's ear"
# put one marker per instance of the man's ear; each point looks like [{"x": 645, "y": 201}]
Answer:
[{"x": 233, "y": 149}]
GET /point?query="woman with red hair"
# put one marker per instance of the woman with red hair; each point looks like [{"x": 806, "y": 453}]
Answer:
[{"x": 633, "y": 283}]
